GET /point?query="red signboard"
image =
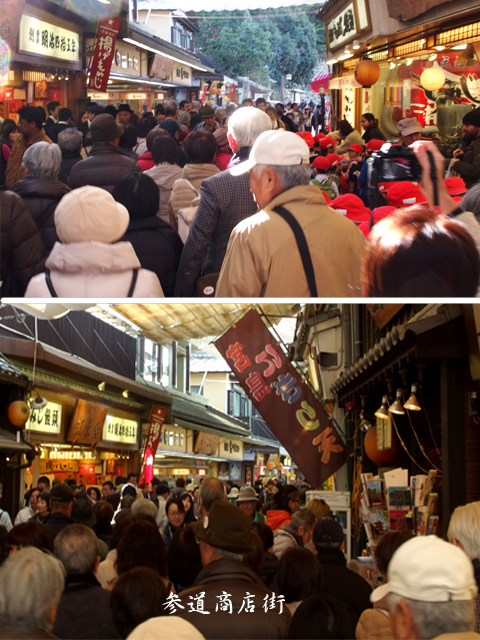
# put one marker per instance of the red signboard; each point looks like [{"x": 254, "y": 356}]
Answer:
[
  {"x": 104, "y": 52},
  {"x": 286, "y": 403},
  {"x": 157, "y": 418}
]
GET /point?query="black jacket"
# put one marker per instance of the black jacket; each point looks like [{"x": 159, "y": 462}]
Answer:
[
  {"x": 158, "y": 247},
  {"x": 469, "y": 165},
  {"x": 55, "y": 130},
  {"x": 56, "y": 522},
  {"x": 105, "y": 167},
  {"x": 69, "y": 160},
  {"x": 42, "y": 195},
  {"x": 22, "y": 253},
  {"x": 373, "y": 134},
  {"x": 84, "y": 129}
]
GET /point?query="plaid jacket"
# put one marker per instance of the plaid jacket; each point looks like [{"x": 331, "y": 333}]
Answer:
[{"x": 225, "y": 201}]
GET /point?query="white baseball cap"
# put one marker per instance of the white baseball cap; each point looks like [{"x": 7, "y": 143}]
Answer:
[
  {"x": 429, "y": 569},
  {"x": 280, "y": 148}
]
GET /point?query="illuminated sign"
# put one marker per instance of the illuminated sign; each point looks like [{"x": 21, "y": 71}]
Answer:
[
  {"x": 46, "y": 39},
  {"x": 46, "y": 420},
  {"x": 120, "y": 430}
]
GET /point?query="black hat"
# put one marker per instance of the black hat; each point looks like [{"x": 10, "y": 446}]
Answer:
[
  {"x": 104, "y": 128},
  {"x": 472, "y": 117},
  {"x": 328, "y": 531},
  {"x": 125, "y": 107},
  {"x": 61, "y": 493},
  {"x": 170, "y": 125},
  {"x": 90, "y": 105},
  {"x": 226, "y": 527},
  {"x": 82, "y": 511},
  {"x": 161, "y": 489}
]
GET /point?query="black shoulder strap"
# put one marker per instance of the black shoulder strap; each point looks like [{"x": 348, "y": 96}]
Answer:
[
  {"x": 44, "y": 217},
  {"x": 48, "y": 280},
  {"x": 302, "y": 248},
  {"x": 133, "y": 283}
]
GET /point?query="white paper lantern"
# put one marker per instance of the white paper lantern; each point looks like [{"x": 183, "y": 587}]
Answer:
[{"x": 432, "y": 79}]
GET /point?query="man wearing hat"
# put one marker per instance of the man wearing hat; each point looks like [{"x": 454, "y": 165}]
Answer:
[
  {"x": 209, "y": 122},
  {"x": 247, "y": 501},
  {"x": 61, "y": 502},
  {"x": 467, "y": 163},
  {"x": 431, "y": 591},
  {"x": 92, "y": 110},
  {"x": 409, "y": 131},
  {"x": 226, "y": 587},
  {"x": 255, "y": 264},
  {"x": 106, "y": 165},
  {"x": 126, "y": 115}
]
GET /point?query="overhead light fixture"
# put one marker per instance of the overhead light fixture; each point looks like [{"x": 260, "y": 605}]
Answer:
[
  {"x": 38, "y": 402},
  {"x": 101, "y": 386},
  {"x": 109, "y": 81},
  {"x": 104, "y": 1},
  {"x": 433, "y": 57},
  {"x": 346, "y": 54},
  {"x": 365, "y": 425},
  {"x": 397, "y": 406},
  {"x": 440, "y": 47},
  {"x": 162, "y": 53},
  {"x": 67, "y": 77},
  {"x": 356, "y": 44},
  {"x": 409, "y": 62},
  {"x": 412, "y": 404},
  {"x": 382, "y": 412},
  {"x": 125, "y": 393},
  {"x": 331, "y": 61},
  {"x": 459, "y": 47}
]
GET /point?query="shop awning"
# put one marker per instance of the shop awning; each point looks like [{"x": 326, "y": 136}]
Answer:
[
  {"x": 8, "y": 443},
  {"x": 321, "y": 79}
]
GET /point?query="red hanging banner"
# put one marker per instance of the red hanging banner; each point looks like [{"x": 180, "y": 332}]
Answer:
[
  {"x": 157, "y": 418},
  {"x": 104, "y": 52},
  {"x": 286, "y": 403}
]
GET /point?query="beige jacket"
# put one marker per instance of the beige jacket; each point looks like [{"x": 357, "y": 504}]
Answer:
[
  {"x": 263, "y": 260},
  {"x": 352, "y": 138},
  {"x": 182, "y": 195},
  {"x": 164, "y": 175},
  {"x": 374, "y": 624}
]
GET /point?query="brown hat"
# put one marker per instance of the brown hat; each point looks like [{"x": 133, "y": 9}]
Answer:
[
  {"x": 207, "y": 111},
  {"x": 61, "y": 493},
  {"x": 104, "y": 128},
  {"x": 225, "y": 527}
]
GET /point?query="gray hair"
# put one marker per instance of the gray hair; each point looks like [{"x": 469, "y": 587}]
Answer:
[
  {"x": 471, "y": 201},
  {"x": 183, "y": 118},
  {"x": 464, "y": 526},
  {"x": 171, "y": 108},
  {"x": 211, "y": 490},
  {"x": 247, "y": 124},
  {"x": 70, "y": 140},
  {"x": 31, "y": 583},
  {"x": 433, "y": 619},
  {"x": 76, "y": 548},
  {"x": 145, "y": 507},
  {"x": 229, "y": 555},
  {"x": 289, "y": 176},
  {"x": 42, "y": 160},
  {"x": 302, "y": 518}
]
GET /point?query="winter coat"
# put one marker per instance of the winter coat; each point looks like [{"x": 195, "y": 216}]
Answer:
[
  {"x": 158, "y": 248},
  {"x": 69, "y": 160},
  {"x": 41, "y": 196},
  {"x": 105, "y": 166},
  {"x": 469, "y": 166},
  {"x": 373, "y": 133},
  {"x": 15, "y": 169},
  {"x": 56, "y": 130},
  {"x": 164, "y": 175},
  {"x": 22, "y": 253},
  {"x": 270, "y": 568},
  {"x": 94, "y": 270},
  {"x": 236, "y": 579},
  {"x": 146, "y": 161},
  {"x": 285, "y": 538},
  {"x": 276, "y": 518},
  {"x": 182, "y": 195},
  {"x": 374, "y": 624}
]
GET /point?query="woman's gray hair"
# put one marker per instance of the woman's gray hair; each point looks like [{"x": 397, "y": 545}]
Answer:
[
  {"x": 464, "y": 526},
  {"x": 246, "y": 124},
  {"x": 183, "y": 118},
  {"x": 289, "y": 176},
  {"x": 42, "y": 160},
  {"x": 70, "y": 140},
  {"x": 31, "y": 583},
  {"x": 145, "y": 507},
  {"x": 433, "y": 619}
]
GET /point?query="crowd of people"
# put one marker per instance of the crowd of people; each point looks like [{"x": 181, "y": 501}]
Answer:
[
  {"x": 175, "y": 560},
  {"x": 201, "y": 201}
]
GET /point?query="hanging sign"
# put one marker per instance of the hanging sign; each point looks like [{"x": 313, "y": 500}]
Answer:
[
  {"x": 104, "y": 52},
  {"x": 47, "y": 39},
  {"x": 120, "y": 430},
  {"x": 157, "y": 418},
  {"x": 87, "y": 422},
  {"x": 47, "y": 420},
  {"x": 288, "y": 405}
]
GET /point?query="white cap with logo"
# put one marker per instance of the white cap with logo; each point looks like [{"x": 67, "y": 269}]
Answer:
[
  {"x": 280, "y": 148},
  {"x": 429, "y": 569}
]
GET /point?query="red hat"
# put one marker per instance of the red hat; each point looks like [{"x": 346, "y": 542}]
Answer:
[
  {"x": 375, "y": 145},
  {"x": 327, "y": 197},
  {"x": 321, "y": 162},
  {"x": 319, "y": 136},
  {"x": 334, "y": 159},
  {"x": 404, "y": 194},
  {"x": 356, "y": 147},
  {"x": 378, "y": 214},
  {"x": 383, "y": 187},
  {"x": 455, "y": 186},
  {"x": 352, "y": 207},
  {"x": 307, "y": 137},
  {"x": 326, "y": 143}
]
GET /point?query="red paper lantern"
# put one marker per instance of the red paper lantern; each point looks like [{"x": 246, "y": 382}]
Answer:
[
  {"x": 370, "y": 448},
  {"x": 18, "y": 413},
  {"x": 367, "y": 72}
]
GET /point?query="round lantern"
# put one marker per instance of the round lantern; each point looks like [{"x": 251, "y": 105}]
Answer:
[
  {"x": 432, "y": 79},
  {"x": 367, "y": 72},
  {"x": 280, "y": 466},
  {"x": 370, "y": 447},
  {"x": 18, "y": 413},
  {"x": 269, "y": 465}
]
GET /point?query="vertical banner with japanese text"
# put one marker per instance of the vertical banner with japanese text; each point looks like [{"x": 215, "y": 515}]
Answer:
[
  {"x": 103, "y": 56},
  {"x": 286, "y": 403},
  {"x": 10, "y": 18},
  {"x": 157, "y": 418}
]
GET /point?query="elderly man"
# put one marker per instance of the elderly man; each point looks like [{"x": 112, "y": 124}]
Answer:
[
  {"x": 227, "y": 587},
  {"x": 409, "y": 131},
  {"x": 106, "y": 165},
  {"x": 291, "y": 211},
  {"x": 70, "y": 143},
  {"x": 31, "y": 585},
  {"x": 171, "y": 109},
  {"x": 247, "y": 501},
  {"x": 61, "y": 503},
  {"x": 126, "y": 115},
  {"x": 431, "y": 591},
  {"x": 297, "y": 533},
  {"x": 211, "y": 490},
  {"x": 225, "y": 201},
  {"x": 467, "y": 163},
  {"x": 209, "y": 121}
]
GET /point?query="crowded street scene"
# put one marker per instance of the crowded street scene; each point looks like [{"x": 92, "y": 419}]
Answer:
[
  {"x": 239, "y": 471},
  {"x": 169, "y": 149}
]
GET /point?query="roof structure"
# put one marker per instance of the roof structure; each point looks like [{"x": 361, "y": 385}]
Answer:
[{"x": 220, "y": 5}]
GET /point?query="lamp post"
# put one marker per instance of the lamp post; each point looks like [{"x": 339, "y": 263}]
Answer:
[{"x": 322, "y": 103}]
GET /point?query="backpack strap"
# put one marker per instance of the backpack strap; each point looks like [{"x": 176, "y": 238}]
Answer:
[
  {"x": 191, "y": 186},
  {"x": 132, "y": 283},
  {"x": 302, "y": 248},
  {"x": 50, "y": 286}
]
